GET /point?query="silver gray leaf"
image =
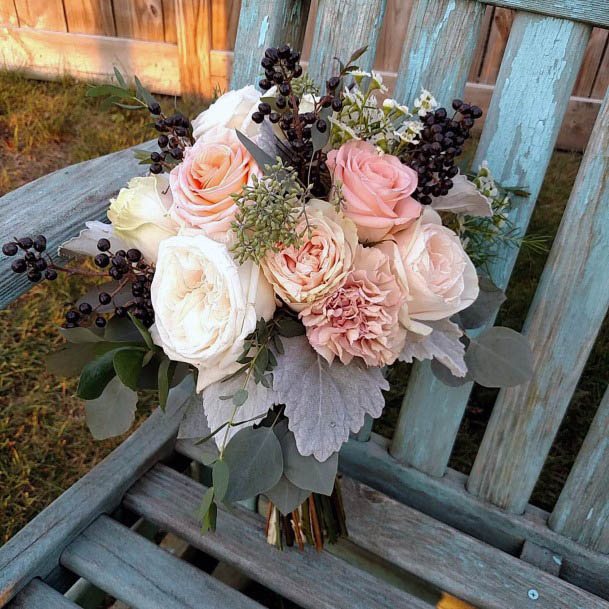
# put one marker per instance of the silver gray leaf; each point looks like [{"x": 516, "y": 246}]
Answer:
[
  {"x": 86, "y": 242},
  {"x": 463, "y": 198},
  {"x": 286, "y": 496},
  {"x": 113, "y": 412}
]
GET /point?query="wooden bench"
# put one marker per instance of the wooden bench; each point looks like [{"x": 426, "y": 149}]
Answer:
[{"x": 409, "y": 515}]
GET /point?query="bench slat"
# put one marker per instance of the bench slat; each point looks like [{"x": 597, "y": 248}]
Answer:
[
  {"x": 37, "y": 595},
  {"x": 265, "y": 23},
  {"x": 340, "y": 29},
  {"x": 142, "y": 575},
  {"x": 453, "y": 561},
  {"x": 526, "y": 111},
  {"x": 582, "y": 510},
  {"x": 312, "y": 580},
  {"x": 59, "y": 204},
  {"x": 563, "y": 321}
]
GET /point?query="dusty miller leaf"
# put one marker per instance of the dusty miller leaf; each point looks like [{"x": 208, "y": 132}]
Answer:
[
  {"x": 86, "y": 242},
  {"x": 113, "y": 412},
  {"x": 324, "y": 403},
  {"x": 442, "y": 344},
  {"x": 463, "y": 198}
]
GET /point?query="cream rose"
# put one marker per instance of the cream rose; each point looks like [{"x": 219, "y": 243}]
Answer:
[
  {"x": 376, "y": 188},
  {"x": 140, "y": 214},
  {"x": 234, "y": 110},
  {"x": 205, "y": 304},
  {"x": 436, "y": 274},
  {"x": 214, "y": 169},
  {"x": 305, "y": 274}
]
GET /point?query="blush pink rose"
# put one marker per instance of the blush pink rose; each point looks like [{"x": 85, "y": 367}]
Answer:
[
  {"x": 377, "y": 189},
  {"x": 214, "y": 168},
  {"x": 360, "y": 319}
]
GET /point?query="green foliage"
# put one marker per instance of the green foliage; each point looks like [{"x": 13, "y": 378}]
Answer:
[{"x": 122, "y": 95}]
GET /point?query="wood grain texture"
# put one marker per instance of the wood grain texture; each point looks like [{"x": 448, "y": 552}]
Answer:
[
  {"x": 142, "y": 575},
  {"x": 52, "y": 55},
  {"x": 35, "y": 550},
  {"x": 393, "y": 31},
  {"x": 8, "y": 13},
  {"x": 41, "y": 14},
  {"x": 495, "y": 48},
  {"x": 58, "y": 205},
  {"x": 582, "y": 510},
  {"x": 310, "y": 579},
  {"x": 139, "y": 19},
  {"x": 601, "y": 81},
  {"x": 438, "y": 29},
  {"x": 446, "y": 500},
  {"x": 170, "y": 29},
  {"x": 340, "y": 29},
  {"x": 224, "y": 23},
  {"x": 90, "y": 17},
  {"x": 37, "y": 595},
  {"x": 485, "y": 28},
  {"x": 526, "y": 418},
  {"x": 542, "y": 558},
  {"x": 593, "y": 12},
  {"x": 453, "y": 561},
  {"x": 193, "y": 30},
  {"x": 591, "y": 63},
  {"x": 262, "y": 24}
]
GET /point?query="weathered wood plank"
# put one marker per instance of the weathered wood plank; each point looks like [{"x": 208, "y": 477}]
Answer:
[
  {"x": 42, "y": 14},
  {"x": 497, "y": 41},
  {"x": 447, "y": 500},
  {"x": 8, "y": 14},
  {"x": 265, "y": 23},
  {"x": 312, "y": 580},
  {"x": 453, "y": 561},
  {"x": 561, "y": 325},
  {"x": 193, "y": 31},
  {"x": 57, "y": 205},
  {"x": 582, "y": 510},
  {"x": 224, "y": 23},
  {"x": 139, "y": 19},
  {"x": 340, "y": 29},
  {"x": 89, "y": 17},
  {"x": 142, "y": 575},
  {"x": 37, "y": 595},
  {"x": 542, "y": 558},
  {"x": 53, "y": 55},
  {"x": 591, "y": 63},
  {"x": 522, "y": 123},
  {"x": 601, "y": 81},
  {"x": 169, "y": 21},
  {"x": 35, "y": 550},
  {"x": 438, "y": 29},
  {"x": 594, "y": 12}
]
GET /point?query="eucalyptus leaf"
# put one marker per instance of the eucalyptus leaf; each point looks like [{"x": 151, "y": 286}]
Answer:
[
  {"x": 255, "y": 461},
  {"x": 499, "y": 357},
  {"x": 194, "y": 423},
  {"x": 318, "y": 138},
  {"x": 287, "y": 496},
  {"x": 442, "y": 373},
  {"x": 128, "y": 365},
  {"x": 143, "y": 93},
  {"x": 120, "y": 298},
  {"x": 220, "y": 476},
  {"x": 142, "y": 330},
  {"x": 289, "y": 328},
  {"x": 122, "y": 329},
  {"x": 119, "y": 78},
  {"x": 484, "y": 309},
  {"x": 260, "y": 156},
  {"x": 70, "y": 359},
  {"x": 113, "y": 412},
  {"x": 165, "y": 373},
  {"x": 208, "y": 521},
  {"x": 357, "y": 54},
  {"x": 82, "y": 335},
  {"x": 96, "y": 375}
]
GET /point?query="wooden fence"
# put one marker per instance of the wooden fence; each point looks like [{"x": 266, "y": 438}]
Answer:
[{"x": 185, "y": 47}]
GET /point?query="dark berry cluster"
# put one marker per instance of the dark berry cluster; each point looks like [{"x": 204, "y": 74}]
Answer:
[
  {"x": 33, "y": 260},
  {"x": 176, "y": 135},
  {"x": 442, "y": 139}
]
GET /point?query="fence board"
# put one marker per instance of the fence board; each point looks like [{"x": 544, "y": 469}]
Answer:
[
  {"x": 601, "y": 82},
  {"x": 582, "y": 510},
  {"x": 497, "y": 41},
  {"x": 591, "y": 63},
  {"x": 139, "y": 19},
  {"x": 90, "y": 17},
  {"x": 485, "y": 29},
  {"x": 393, "y": 31},
  {"x": 8, "y": 13},
  {"x": 563, "y": 321},
  {"x": 41, "y": 14},
  {"x": 224, "y": 23},
  {"x": 170, "y": 31}
]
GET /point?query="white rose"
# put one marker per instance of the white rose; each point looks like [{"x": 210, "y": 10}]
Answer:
[
  {"x": 234, "y": 110},
  {"x": 140, "y": 214},
  {"x": 434, "y": 271},
  {"x": 205, "y": 304}
]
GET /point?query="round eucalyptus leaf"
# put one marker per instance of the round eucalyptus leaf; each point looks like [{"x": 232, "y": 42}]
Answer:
[
  {"x": 286, "y": 496},
  {"x": 485, "y": 307},
  {"x": 442, "y": 373},
  {"x": 113, "y": 412},
  {"x": 220, "y": 476}
]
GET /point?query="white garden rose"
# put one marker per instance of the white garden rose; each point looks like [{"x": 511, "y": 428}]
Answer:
[
  {"x": 140, "y": 214},
  {"x": 205, "y": 304},
  {"x": 434, "y": 271},
  {"x": 234, "y": 110}
]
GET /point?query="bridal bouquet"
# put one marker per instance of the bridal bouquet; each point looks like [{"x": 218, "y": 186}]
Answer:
[{"x": 286, "y": 248}]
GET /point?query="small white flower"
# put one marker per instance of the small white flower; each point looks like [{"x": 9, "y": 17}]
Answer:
[
  {"x": 425, "y": 103},
  {"x": 392, "y": 105}
]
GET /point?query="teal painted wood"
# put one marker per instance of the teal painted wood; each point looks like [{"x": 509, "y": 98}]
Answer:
[
  {"x": 142, "y": 575},
  {"x": 35, "y": 550},
  {"x": 57, "y": 205},
  {"x": 341, "y": 28},
  {"x": 265, "y": 23},
  {"x": 582, "y": 510},
  {"x": 535, "y": 81},
  {"x": 593, "y": 12},
  {"x": 563, "y": 321},
  {"x": 37, "y": 595},
  {"x": 437, "y": 30},
  {"x": 447, "y": 501}
]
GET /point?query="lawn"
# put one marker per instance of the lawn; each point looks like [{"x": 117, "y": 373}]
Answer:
[{"x": 44, "y": 446}]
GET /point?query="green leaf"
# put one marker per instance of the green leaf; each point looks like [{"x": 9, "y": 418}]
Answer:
[
  {"x": 318, "y": 138},
  {"x": 108, "y": 102},
  {"x": 129, "y": 106},
  {"x": 287, "y": 496},
  {"x": 209, "y": 522},
  {"x": 128, "y": 365},
  {"x": 206, "y": 503},
  {"x": 289, "y": 328},
  {"x": 240, "y": 397},
  {"x": 499, "y": 357},
  {"x": 113, "y": 90},
  {"x": 95, "y": 376},
  {"x": 71, "y": 358},
  {"x": 82, "y": 335},
  {"x": 143, "y": 331},
  {"x": 255, "y": 462},
  {"x": 119, "y": 78},
  {"x": 164, "y": 380},
  {"x": 357, "y": 54},
  {"x": 485, "y": 307},
  {"x": 143, "y": 93},
  {"x": 142, "y": 155},
  {"x": 220, "y": 476},
  {"x": 113, "y": 412},
  {"x": 260, "y": 156},
  {"x": 122, "y": 330}
]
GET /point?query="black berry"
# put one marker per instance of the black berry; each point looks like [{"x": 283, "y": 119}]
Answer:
[{"x": 10, "y": 249}]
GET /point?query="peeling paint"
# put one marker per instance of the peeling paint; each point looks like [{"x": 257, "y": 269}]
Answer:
[{"x": 264, "y": 28}]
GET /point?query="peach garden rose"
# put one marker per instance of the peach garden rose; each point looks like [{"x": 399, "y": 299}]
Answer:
[{"x": 377, "y": 189}]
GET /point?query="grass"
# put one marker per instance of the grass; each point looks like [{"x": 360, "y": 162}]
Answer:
[{"x": 44, "y": 445}]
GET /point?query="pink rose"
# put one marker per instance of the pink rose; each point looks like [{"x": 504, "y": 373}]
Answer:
[
  {"x": 303, "y": 275},
  {"x": 376, "y": 188},
  {"x": 214, "y": 168},
  {"x": 436, "y": 274},
  {"x": 360, "y": 319}
]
